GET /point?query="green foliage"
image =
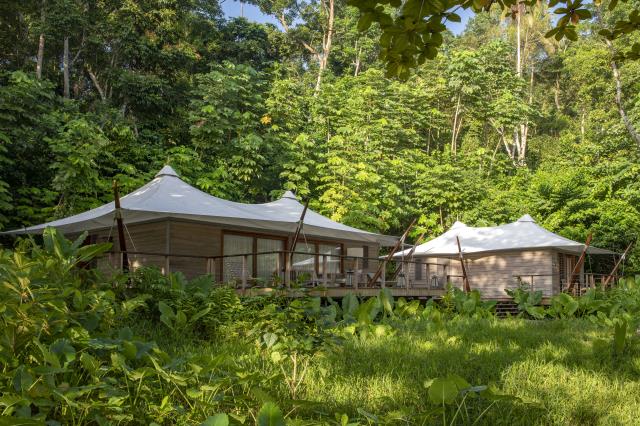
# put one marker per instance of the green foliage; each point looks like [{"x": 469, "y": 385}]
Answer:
[
  {"x": 232, "y": 106},
  {"x": 454, "y": 390},
  {"x": 76, "y": 347},
  {"x": 216, "y": 420},
  {"x": 563, "y": 306},
  {"x": 621, "y": 312},
  {"x": 528, "y": 301},
  {"x": 191, "y": 307},
  {"x": 225, "y": 121},
  {"x": 270, "y": 415},
  {"x": 467, "y": 304},
  {"x": 413, "y": 31}
]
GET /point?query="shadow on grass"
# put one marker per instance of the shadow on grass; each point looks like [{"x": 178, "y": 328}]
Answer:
[{"x": 382, "y": 374}]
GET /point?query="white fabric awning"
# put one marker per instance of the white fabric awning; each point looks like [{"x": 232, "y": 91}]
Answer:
[
  {"x": 168, "y": 196},
  {"x": 523, "y": 234}
]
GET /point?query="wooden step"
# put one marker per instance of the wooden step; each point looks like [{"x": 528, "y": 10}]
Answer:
[{"x": 506, "y": 308}]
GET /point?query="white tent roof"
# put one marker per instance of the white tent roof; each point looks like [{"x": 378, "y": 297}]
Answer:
[
  {"x": 523, "y": 234},
  {"x": 168, "y": 196}
]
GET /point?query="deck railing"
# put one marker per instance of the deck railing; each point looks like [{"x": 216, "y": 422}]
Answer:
[
  {"x": 580, "y": 286},
  {"x": 282, "y": 268}
]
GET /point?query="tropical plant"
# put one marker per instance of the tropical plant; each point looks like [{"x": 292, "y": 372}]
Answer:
[
  {"x": 469, "y": 304},
  {"x": 621, "y": 312},
  {"x": 563, "y": 305},
  {"x": 455, "y": 392},
  {"x": 528, "y": 301}
]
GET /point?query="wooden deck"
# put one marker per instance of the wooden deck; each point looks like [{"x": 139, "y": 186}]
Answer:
[{"x": 338, "y": 292}]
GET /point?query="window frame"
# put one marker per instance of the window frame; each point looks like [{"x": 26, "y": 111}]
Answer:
[
  {"x": 311, "y": 241},
  {"x": 254, "y": 245}
]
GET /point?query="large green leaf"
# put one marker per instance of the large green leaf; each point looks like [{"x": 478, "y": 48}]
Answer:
[
  {"x": 270, "y": 415},
  {"x": 166, "y": 310},
  {"x": 443, "y": 391},
  {"x": 386, "y": 300},
  {"x": 220, "y": 419},
  {"x": 349, "y": 306}
]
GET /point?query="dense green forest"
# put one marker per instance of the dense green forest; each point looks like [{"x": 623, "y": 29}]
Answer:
[{"x": 503, "y": 121}]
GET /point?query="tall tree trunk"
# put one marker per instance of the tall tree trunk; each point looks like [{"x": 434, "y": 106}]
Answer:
[
  {"x": 40, "y": 57},
  {"x": 65, "y": 68},
  {"x": 623, "y": 114},
  {"x": 357, "y": 61},
  {"x": 521, "y": 131},
  {"x": 327, "y": 40},
  {"x": 96, "y": 84},
  {"x": 455, "y": 129},
  {"x": 524, "y": 128},
  {"x": 518, "y": 49}
]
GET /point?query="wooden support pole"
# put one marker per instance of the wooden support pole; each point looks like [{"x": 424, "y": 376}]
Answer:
[
  {"x": 119, "y": 223},
  {"x": 325, "y": 270},
  {"x": 296, "y": 235},
  {"x": 579, "y": 263},
  {"x": 383, "y": 280},
  {"x": 410, "y": 255},
  {"x": 287, "y": 270},
  {"x": 617, "y": 265},
  {"x": 167, "y": 247},
  {"x": 465, "y": 277},
  {"x": 391, "y": 253},
  {"x": 209, "y": 267},
  {"x": 356, "y": 276},
  {"x": 245, "y": 261}
]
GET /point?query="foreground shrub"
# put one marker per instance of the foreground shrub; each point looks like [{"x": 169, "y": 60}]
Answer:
[{"x": 65, "y": 357}]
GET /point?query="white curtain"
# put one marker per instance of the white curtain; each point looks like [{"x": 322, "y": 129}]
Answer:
[
  {"x": 332, "y": 251},
  {"x": 268, "y": 265},
  {"x": 304, "y": 262},
  {"x": 237, "y": 244}
]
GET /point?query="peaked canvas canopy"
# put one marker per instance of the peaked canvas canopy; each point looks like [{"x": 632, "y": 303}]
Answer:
[
  {"x": 523, "y": 234},
  {"x": 168, "y": 196}
]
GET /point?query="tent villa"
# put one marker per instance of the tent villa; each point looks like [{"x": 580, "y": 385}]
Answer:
[
  {"x": 173, "y": 226},
  {"x": 176, "y": 227},
  {"x": 500, "y": 257}
]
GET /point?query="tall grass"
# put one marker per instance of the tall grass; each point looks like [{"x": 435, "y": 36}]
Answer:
[{"x": 563, "y": 370}]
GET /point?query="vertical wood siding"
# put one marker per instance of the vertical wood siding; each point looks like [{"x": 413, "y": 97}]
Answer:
[
  {"x": 184, "y": 238},
  {"x": 492, "y": 274},
  {"x": 194, "y": 239}
]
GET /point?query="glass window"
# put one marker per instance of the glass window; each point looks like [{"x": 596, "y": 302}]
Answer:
[
  {"x": 236, "y": 244},
  {"x": 268, "y": 265},
  {"x": 332, "y": 251}
]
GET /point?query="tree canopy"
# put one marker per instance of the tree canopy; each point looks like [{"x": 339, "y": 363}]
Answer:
[
  {"x": 412, "y": 31},
  {"x": 514, "y": 115}
]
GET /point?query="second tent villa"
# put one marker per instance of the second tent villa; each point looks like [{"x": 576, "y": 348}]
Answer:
[
  {"x": 496, "y": 258},
  {"x": 176, "y": 227}
]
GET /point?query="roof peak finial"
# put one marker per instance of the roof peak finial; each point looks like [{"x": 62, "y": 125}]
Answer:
[
  {"x": 526, "y": 218},
  {"x": 167, "y": 170},
  {"x": 289, "y": 194}
]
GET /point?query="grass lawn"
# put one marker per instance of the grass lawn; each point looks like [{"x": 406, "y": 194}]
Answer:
[{"x": 564, "y": 369}]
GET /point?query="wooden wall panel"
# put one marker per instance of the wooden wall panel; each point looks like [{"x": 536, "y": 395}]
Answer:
[
  {"x": 185, "y": 238},
  {"x": 146, "y": 237},
  {"x": 193, "y": 239},
  {"x": 492, "y": 274}
]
